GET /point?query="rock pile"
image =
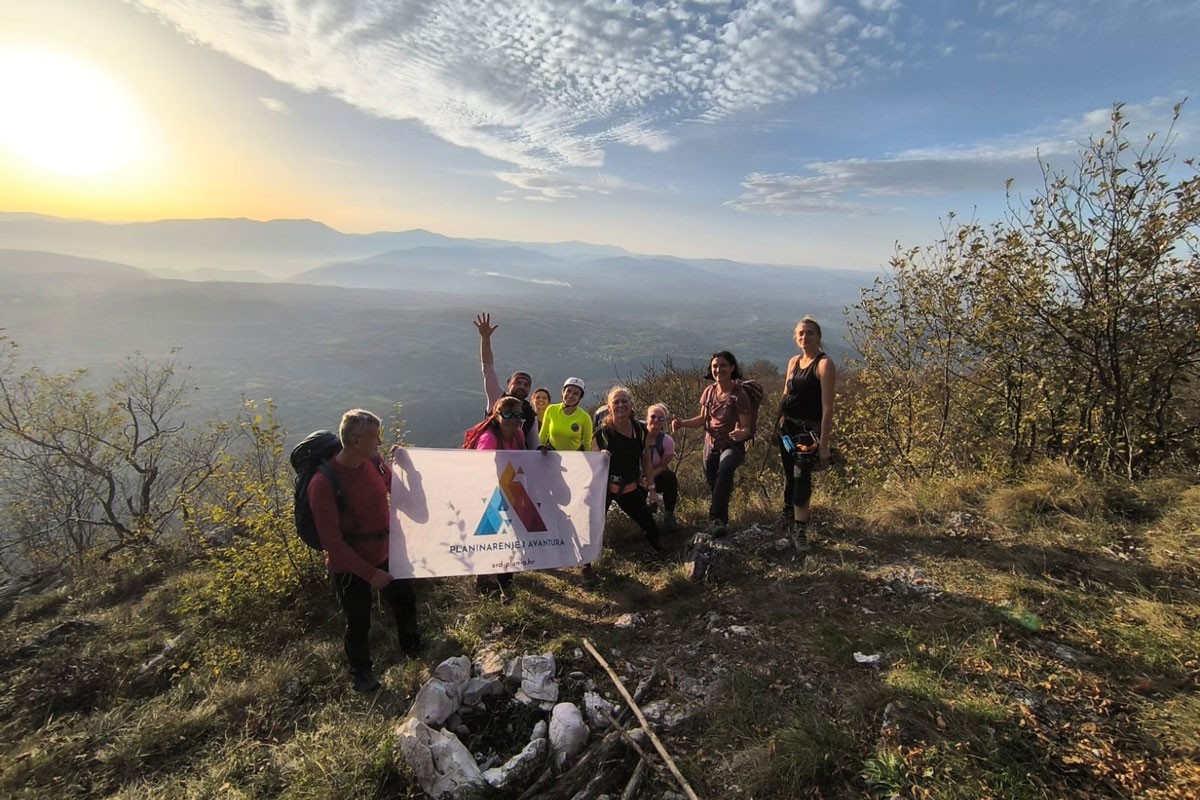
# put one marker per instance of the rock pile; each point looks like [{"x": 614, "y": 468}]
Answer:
[{"x": 459, "y": 701}]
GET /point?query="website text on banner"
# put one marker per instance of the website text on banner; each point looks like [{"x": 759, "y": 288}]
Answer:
[{"x": 474, "y": 512}]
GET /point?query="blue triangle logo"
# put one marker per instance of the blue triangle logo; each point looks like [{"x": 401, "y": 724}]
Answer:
[{"x": 492, "y": 521}]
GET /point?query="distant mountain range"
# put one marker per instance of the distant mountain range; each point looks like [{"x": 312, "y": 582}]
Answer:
[
  {"x": 382, "y": 318},
  {"x": 277, "y": 249}
]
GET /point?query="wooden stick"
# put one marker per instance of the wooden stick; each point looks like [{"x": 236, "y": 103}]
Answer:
[
  {"x": 644, "y": 757},
  {"x": 635, "y": 781},
  {"x": 658, "y": 745}
]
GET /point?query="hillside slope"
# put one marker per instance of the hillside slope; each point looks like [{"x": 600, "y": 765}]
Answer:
[{"x": 1025, "y": 649}]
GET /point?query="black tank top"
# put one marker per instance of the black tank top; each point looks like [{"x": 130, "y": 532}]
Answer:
[
  {"x": 625, "y": 453},
  {"x": 802, "y": 401}
]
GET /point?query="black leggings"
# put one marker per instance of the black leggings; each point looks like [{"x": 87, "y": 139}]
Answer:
[
  {"x": 666, "y": 483},
  {"x": 634, "y": 505},
  {"x": 797, "y": 488}
]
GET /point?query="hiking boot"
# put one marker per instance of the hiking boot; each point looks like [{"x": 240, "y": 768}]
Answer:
[
  {"x": 700, "y": 562},
  {"x": 508, "y": 589},
  {"x": 364, "y": 681},
  {"x": 669, "y": 523},
  {"x": 589, "y": 578},
  {"x": 799, "y": 536},
  {"x": 717, "y": 528}
]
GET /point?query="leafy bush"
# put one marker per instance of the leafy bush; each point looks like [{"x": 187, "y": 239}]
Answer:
[
  {"x": 265, "y": 568},
  {"x": 1065, "y": 332}
]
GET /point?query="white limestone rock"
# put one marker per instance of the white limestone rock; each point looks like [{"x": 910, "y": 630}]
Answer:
[
  {"x": 476, "y": 690},
  {"x": 444, "y": 767},
  {"x": 596, "y": 707},
  {"x": 435, "y": 702},
  {"x": 568, "y": 733},
  {"x": 519, "y": 770},
  {"x": 537, "y": 678},
  {"x": 453, "y": 670}
]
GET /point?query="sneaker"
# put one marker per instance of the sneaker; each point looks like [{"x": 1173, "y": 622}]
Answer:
[{"x": 365, "y": 682}]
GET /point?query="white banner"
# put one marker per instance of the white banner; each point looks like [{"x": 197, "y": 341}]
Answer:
[{"x": 473, "y": 512}]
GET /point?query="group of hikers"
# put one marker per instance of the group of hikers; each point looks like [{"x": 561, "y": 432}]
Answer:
[{"x": 350, "y": 505}]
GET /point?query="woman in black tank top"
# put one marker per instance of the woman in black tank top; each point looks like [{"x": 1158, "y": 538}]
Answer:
[
  {"x": 805, "y": 423},
  {"x": 624, "y": 437}
]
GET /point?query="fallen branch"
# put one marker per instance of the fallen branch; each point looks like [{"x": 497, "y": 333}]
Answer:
[
  {"x": 635, "y": 781},
  {"x": 627, "y": 736},
  {"x": 637, "y": 711},
  {"x": 593, "y": 760}
]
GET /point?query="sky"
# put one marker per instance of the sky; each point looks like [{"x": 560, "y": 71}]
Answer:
[{"x": 815, "y": 132}]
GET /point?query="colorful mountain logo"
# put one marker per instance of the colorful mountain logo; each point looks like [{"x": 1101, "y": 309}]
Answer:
[{"x": 508, "y": 501}]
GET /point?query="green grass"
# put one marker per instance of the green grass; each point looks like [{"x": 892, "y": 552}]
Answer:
[{"x": 1048, "y": 648}]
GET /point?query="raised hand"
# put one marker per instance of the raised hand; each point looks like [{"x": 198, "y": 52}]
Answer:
[{"x": 483, "y": 323}]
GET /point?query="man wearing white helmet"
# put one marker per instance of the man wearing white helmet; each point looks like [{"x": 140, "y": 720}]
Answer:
[{"x": 566, "y": 426}]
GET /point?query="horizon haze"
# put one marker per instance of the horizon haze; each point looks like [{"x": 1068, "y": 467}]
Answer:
[{"x": 360, "y": 326}]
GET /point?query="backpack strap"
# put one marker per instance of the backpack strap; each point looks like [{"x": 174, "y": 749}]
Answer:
[
  {"x": 339, "y": 496},
  {"x": 330, "y": 474},
  {"x": 384, "y": 472},
  {"x": 641, "y": 432}
]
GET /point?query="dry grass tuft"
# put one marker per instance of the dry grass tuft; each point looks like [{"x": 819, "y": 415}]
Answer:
[{"x": 1051, "y": 489}]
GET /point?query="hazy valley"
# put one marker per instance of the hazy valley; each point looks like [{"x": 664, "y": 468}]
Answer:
[{"x": 353, "y": 327}]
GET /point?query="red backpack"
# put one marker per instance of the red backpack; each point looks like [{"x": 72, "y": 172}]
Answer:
[
  {"x": 471, "y": 435},
  {"x": 754, "y": 391}
]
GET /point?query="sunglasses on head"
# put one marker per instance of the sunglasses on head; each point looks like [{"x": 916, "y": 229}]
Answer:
[{"x": 510, "y": 414}]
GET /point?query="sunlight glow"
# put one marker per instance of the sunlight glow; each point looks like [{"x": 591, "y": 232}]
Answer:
[{"x": 63, "y": 115}]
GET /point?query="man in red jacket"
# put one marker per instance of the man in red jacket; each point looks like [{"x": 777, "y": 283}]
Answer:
[{"x": 355, "y": 539}]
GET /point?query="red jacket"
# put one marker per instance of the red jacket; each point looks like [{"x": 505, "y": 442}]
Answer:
[{"x": 366, "y": 510}]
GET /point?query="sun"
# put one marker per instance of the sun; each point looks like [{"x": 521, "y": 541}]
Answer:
[{"x": 63, "y": 115}]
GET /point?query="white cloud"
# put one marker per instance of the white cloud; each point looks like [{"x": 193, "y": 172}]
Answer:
[
  {"x": 855, "y": 186},
  {"x": 548, "y": 85},
  {"x": 553, "y": 186}
]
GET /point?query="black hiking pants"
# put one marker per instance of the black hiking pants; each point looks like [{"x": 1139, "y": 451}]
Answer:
[{"x": 356, "y": 597}]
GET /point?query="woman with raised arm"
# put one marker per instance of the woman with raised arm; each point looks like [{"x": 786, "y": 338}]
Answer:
[
  {"x": 805, "y": 423},
  {"x": 725, "y": 417},
  {"x": 624, "y": 437}
]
